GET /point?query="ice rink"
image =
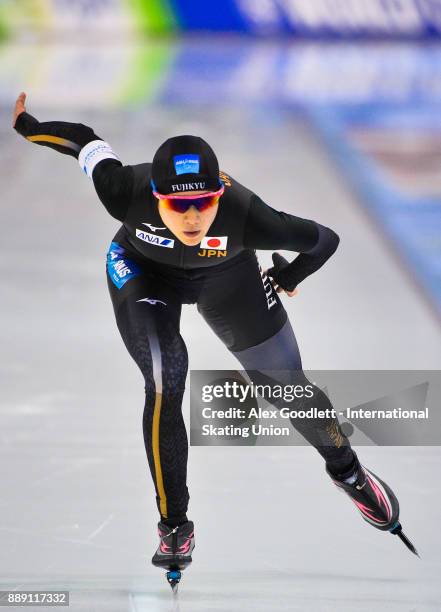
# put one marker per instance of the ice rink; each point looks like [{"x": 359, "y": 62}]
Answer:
[{"x": 272, "y": 533}]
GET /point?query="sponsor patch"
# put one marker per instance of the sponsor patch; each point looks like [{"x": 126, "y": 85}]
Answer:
[
  {"x": 187, "y": 164},
  {"x": 214, "y": 242},
  {"x": 188, "y": 186},
  {"x": 120, "y": 268},
  {"x": 94, "y": 152},
  {"x": 169, "y": 243}
]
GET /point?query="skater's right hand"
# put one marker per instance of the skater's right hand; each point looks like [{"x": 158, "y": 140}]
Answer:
[{"x": 19, "y": 107}]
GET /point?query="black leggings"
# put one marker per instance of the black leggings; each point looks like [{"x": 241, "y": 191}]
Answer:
[{"x": 240, "y": 305}]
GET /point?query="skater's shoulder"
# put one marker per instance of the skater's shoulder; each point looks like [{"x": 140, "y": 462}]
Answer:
[
  {"x": 142, "y": 174},
  {"x": 144, "y": 169},
  {"x": 235, "y": 189}
]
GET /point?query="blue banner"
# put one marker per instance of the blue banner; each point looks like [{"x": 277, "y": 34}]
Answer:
[{"x": 335, "y": 18}]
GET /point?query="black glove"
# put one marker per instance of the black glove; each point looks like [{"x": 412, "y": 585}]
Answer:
[
  {"x": 64, "y": 137},
  {"x": 281, "y": 272}
]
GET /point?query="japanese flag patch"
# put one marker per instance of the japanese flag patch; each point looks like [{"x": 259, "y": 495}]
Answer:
[{"x": 214, "y": 242}]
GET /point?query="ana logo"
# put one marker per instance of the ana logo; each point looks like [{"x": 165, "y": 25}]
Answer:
[
  {"x": 152, "y": 228},
  {"x": 156, "y": 240},
  {"x": 214, "y": 242}
]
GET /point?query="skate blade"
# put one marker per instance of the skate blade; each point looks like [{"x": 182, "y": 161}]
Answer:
[
  {"x": 408, "y": 544},
  {"x": 398, "y": 530},
  {"x": 174, "y": 578}
]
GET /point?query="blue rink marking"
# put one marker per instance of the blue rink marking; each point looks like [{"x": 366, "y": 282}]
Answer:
[
  {"x": 411, "y": 223},
  {"x": 121, "y": 269}
]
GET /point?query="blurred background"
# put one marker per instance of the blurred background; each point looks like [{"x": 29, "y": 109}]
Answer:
[{"x": 328, "y": 109}]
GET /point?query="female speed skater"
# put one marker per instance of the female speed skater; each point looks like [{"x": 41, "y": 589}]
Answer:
[{"x": 188, "y": 236}]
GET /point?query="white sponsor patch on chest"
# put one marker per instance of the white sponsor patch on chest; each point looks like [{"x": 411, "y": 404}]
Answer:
[{"x": 154, "y": 239}]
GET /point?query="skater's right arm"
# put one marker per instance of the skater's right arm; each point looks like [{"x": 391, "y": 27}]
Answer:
[{"x": 113, "y": 182}]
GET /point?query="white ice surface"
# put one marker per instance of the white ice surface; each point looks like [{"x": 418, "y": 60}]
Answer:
[{"x": 272, "y": 533}]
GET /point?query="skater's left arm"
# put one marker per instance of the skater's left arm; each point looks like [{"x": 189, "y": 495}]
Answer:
[{"x": 267, "y": 228}]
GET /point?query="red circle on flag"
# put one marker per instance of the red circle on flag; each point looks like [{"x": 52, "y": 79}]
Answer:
[{"x": 213, "y": 242}]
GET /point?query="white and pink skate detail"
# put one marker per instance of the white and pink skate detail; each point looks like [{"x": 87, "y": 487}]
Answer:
[
  {"x": 186, "y": 545},
  {"x": 166, "y": 549},
  {"x": 384, "y": 504}
]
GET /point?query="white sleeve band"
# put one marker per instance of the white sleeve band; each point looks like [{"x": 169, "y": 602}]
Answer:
[{"x": 94, "y": 152}]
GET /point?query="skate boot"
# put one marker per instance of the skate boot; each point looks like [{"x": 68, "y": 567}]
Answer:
[
  {"x": 174, "y": 551},
  {"x": 374, "y": 499}
]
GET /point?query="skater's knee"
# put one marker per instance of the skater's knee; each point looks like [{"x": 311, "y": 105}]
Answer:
[
  {"x": 279, "y": 352},
  {"x": 174, "y": 366},
  {"x": 168, "y": 372}
]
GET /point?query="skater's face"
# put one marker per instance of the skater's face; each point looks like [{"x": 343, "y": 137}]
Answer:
[{"x": 189, "y": 226}]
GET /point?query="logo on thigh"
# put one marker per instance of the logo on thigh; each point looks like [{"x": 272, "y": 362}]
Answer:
[
  {"x": 152, "y": 301},
  {"x": 271, "y": 298}
]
